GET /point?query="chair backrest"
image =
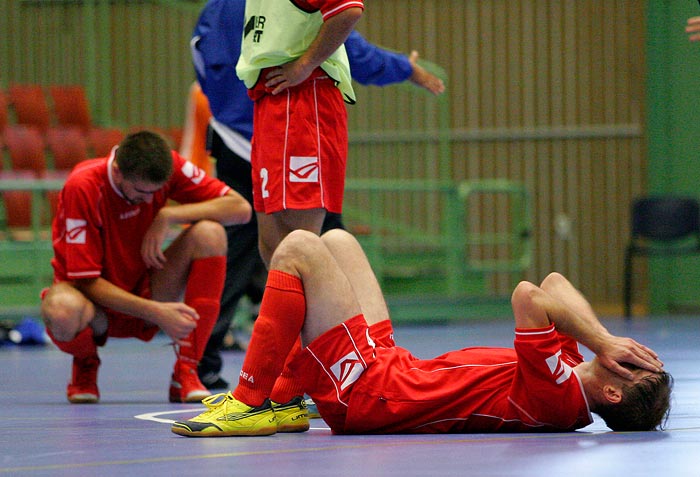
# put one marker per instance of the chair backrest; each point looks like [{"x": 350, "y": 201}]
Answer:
[
  {"x": 26, "y": 147},
  {"x": 17, "y": 203},
  {"x": 3, "y": 111},
  {"x": 52, "y": 195},
  {"x": 29, "y": 104},
  {"x": 68, "y": 147},
  {"x": 71, "y": 106},
  {"x": 102, "y": 140},
  {"x": 665, "y": 218}
]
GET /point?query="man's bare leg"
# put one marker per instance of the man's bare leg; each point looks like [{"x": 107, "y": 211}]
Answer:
[{"x": 273, "y": 228}]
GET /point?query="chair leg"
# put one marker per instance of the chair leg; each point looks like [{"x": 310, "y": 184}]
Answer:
[{"x": 627, "y": 291}]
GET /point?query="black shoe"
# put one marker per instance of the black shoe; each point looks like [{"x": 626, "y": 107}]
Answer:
[{"x": 213, "y": 381}]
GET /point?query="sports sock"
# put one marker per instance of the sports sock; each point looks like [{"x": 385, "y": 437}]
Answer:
[
  {"x": 286, "y": 386},
  {"x": 203, "y": 293},
  {"x": 82, "y": 346},
  {"x": 276, "y": 329}
]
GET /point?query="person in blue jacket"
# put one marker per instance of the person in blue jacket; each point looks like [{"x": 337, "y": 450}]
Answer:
[{"x": 216, "y": 44}]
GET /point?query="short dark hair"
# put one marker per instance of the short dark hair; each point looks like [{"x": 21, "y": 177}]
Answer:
[
  {"x": 644, "y": 406},
  {"x": 146, "y": 156}
]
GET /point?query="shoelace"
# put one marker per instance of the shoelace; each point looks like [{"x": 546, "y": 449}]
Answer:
[{"x": 215, "y": 401}]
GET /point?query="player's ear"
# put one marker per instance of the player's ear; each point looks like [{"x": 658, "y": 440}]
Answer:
[{"x": 613, "y": 394}]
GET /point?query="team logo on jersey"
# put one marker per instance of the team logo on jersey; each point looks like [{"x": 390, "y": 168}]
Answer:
[
  {"x": 193, "y": 172},
  {"x": 348, "y": 369},
  {"x": 255, "y": 24},
  {"x": 303, "y": 169},
  {"x": 559, "y": 369},
  {"x": 76, "y": 231}
]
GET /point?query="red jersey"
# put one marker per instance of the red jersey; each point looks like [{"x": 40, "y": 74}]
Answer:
[
  {"x": 97, "y": 233},
  {"x": 361, "y": 388},
  {"x": 329, "y": 8}
]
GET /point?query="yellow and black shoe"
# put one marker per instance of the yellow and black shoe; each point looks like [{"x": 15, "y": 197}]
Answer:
[
  {"x": 292, "y": 416},
  {"x": 227, "y": 416}
]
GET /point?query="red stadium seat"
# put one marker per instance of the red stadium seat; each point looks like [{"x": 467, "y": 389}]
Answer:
[
  {"x": 52, "y": 195},
  {"x": 68, "y": 146},
  {"x": 102, "y": 140},
  {"x": 29, "y": 104},
  {"x": 17, "y": 203},
  {"x": 26, "y": 148},
  {"x": 71, "y": 106},
  {"x": 3, "y": 113}
]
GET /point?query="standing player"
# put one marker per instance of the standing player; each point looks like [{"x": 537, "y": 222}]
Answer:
[
  {"x": 294, "y": 63},
  {"x": 216, "y": 46},
  {"x": 323, "y": 289},
  {"x": 111, "y": 274}
]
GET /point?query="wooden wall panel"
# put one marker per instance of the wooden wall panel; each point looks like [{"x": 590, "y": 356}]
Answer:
[{"x": 547, "y": 92}]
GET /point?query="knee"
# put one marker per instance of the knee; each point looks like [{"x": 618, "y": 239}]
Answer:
[
  {"x": 524, "y": 295},
  {"x": 65, "y": 311},
  {"x": 553, "y": 281},
  {"x": 297, "y": 245},
  {"x": 210, "y": 238},
  {"x": 337, "y": 235}
]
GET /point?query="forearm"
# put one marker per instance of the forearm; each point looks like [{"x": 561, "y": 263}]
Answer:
[
  {"x": 104, "y": 293},
  {"x": 228, "y": 210},
  {"x": 557, "y": 302},
  {"x": 331, "y": 36},
  {"x": 585, "y": 329},
  {"x": 534, "y": 307},
  {"x": 573, "y": 314}
]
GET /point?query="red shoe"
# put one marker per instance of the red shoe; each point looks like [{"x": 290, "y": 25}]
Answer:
[
  {"x": 83, "y": 386},
  {"x": 185, "y": 385}
]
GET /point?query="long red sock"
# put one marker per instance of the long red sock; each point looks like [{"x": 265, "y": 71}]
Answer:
[
  {"x": 203, "y": 293},
  {"x": 276, "y": 329},
  {"x": 287, "y": 386},
  {"x": 82, "y": 346}
]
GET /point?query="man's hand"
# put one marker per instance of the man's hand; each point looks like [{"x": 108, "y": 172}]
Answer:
[
  {"x": 423, "y": 78},
  {"x": 287, "y": 75},
  {"x": 615, "y": 351},
  {"x": 177, "y": 320},
  {"x": 693, "y": 28},
  {"x": 153, "y": 240}
]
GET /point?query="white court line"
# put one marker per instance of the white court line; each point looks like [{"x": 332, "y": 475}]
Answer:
[{"x": 153, "y": 416}]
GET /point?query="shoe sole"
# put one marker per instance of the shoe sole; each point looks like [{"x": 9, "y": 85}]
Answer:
[
  {"x": 294, "y": 423},
  {"x": 182, "y": 430},
  {"x": 83, "y": 399}
]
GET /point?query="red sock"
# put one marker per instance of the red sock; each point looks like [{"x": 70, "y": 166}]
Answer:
[
  {"x": 203, "y": 293},
  {"x": 286, "y": 386},
  {"x": 82, "y": 346},
  {"x": 276, "y": 329}
]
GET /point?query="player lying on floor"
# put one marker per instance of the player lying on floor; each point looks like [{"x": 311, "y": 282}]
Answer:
[{"x": 323, "y": 289}]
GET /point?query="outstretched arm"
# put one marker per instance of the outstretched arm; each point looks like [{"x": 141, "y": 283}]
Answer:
[
  {"x": 423, "y": 78},
  {"x": 373, "y": 65},
  {"x": 558, "y": 302}
]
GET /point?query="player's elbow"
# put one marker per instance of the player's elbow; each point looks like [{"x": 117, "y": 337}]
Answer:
[
  {"x": 527, "y": 301},
  {"x": 239, "y": 210}
]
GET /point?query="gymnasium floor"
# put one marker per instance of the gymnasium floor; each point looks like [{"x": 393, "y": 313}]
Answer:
[{"x": 128, "y": 434}]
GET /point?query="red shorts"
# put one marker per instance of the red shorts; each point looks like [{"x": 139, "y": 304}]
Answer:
[{"x": 299, "y": 147}]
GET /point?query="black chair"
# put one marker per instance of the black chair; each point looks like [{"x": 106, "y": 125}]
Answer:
[{"x": 661, "y": 225}]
